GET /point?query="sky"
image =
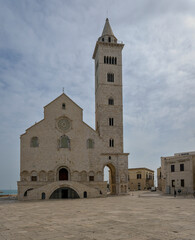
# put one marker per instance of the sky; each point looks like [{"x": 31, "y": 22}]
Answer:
[{"x": 46, "y": 45}]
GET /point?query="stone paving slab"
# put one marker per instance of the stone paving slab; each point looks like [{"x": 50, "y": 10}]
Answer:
[{"x": 141, "y": 216}]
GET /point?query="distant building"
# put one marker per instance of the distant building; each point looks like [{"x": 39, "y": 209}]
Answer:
[
  {"x": 140, "y": 178},
  {"x": 159, "y": 178},
  {"x": 178, "y": 173}
]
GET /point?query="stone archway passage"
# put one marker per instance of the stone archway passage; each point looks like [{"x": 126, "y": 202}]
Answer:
[
  {"x": 63, "y": 174},
  {"x": 63, "y": 193},
  {"x": 112, "y": 178}
]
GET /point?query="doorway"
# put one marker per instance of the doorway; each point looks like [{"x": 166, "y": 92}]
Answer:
[
  {"x": 63, "y": 174},
  {"x": 64, "y": 193}
]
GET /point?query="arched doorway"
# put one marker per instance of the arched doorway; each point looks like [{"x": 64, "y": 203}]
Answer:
[
  {"x": 64, "y": 192},
  {"x": 63, "y": 174},
  {"x": 43, "y": 195},
  {"x": 110, "y": 177}
]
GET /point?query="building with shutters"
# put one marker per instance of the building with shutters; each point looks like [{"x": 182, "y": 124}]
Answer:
[
  {"x": 140, "y": 179},
  {"x": 178, "y": 173}
]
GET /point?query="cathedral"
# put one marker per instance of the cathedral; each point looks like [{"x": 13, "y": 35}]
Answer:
[{"x": 61, "y": 156}]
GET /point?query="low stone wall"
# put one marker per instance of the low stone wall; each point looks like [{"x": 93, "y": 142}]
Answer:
[{"x": 35, "y": 189}]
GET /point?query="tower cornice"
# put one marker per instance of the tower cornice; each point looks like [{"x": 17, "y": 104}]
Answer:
[{"x": 119, "y": 45}]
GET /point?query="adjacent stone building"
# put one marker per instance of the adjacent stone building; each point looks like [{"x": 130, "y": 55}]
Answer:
[
  {"x": 178, "y": 173},
  {"x": 140, "y": 179},
  {"x": 159, "y": 178},
  {"x": 63, "y": 157}
]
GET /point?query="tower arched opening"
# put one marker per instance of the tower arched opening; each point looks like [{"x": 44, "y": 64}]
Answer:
[{"x": 110, "y": 177}]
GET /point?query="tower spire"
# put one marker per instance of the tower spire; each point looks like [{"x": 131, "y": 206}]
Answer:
[{"x": 107, "y": 31}]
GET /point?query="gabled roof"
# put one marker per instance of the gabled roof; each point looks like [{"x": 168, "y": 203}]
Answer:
[{"x": 63, "y": 94}]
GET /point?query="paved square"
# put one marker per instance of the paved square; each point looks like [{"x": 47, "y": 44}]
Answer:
[{"x": 144, "y": 215}]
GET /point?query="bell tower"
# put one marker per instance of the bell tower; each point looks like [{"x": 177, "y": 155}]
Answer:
[{"x": 108, "y": 90}]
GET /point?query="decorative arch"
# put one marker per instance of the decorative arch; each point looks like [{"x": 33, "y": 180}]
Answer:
[
  {"x": 24, "y": 176},
  {"x": 75, "y": 176},
  {"x": 42, "y": 176},
  {"x": 84, "y": 176},
  {"x": 50, "y": 176}
]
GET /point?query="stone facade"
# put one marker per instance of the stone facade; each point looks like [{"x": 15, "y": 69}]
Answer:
[
  {"x": 140, "y": 179},
  {"x": 61, "y": 156},
  {"x": 178, "y": 173}
]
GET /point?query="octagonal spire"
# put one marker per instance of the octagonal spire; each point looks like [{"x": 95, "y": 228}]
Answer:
[{"x": 107, "y": 31}]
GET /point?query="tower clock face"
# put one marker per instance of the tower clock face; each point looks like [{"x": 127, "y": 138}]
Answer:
[{"x": 64, "y": 124}]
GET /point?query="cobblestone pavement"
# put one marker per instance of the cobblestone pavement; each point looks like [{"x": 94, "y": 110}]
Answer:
[{"x": 137, "y": 216}]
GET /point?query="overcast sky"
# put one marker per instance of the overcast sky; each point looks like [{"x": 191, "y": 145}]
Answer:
[{"x": 48, "y": 45}]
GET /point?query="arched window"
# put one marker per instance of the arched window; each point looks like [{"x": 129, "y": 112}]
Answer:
[
  {"x": 109, "y": 39},
  {"x": 110, "y": 60},
  {"x": 50, "y": 176},
  {"x": 110, "y": 77},
  {"x": 111, "y": 121},
  {"x": 104, "y": 59},
  {"x": 34, "y": 142},
  {"x": 64, "y": 142},
  {"x": 107, "y": 60},
  {"x": 110, "y": 101},
  {"x": 63, "y": 106},
  {"x": 90, "y": 143},
  {"x": 111, "y": 142},
  {"x": 115, "y": 60},
  {"x": 34, "y": 176},
  {"x": 91, "y": 177},
  {"x": 63, "y": 174},
  {"x": 85, "y": 194},
  {"x": 102, "y": 39}
]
